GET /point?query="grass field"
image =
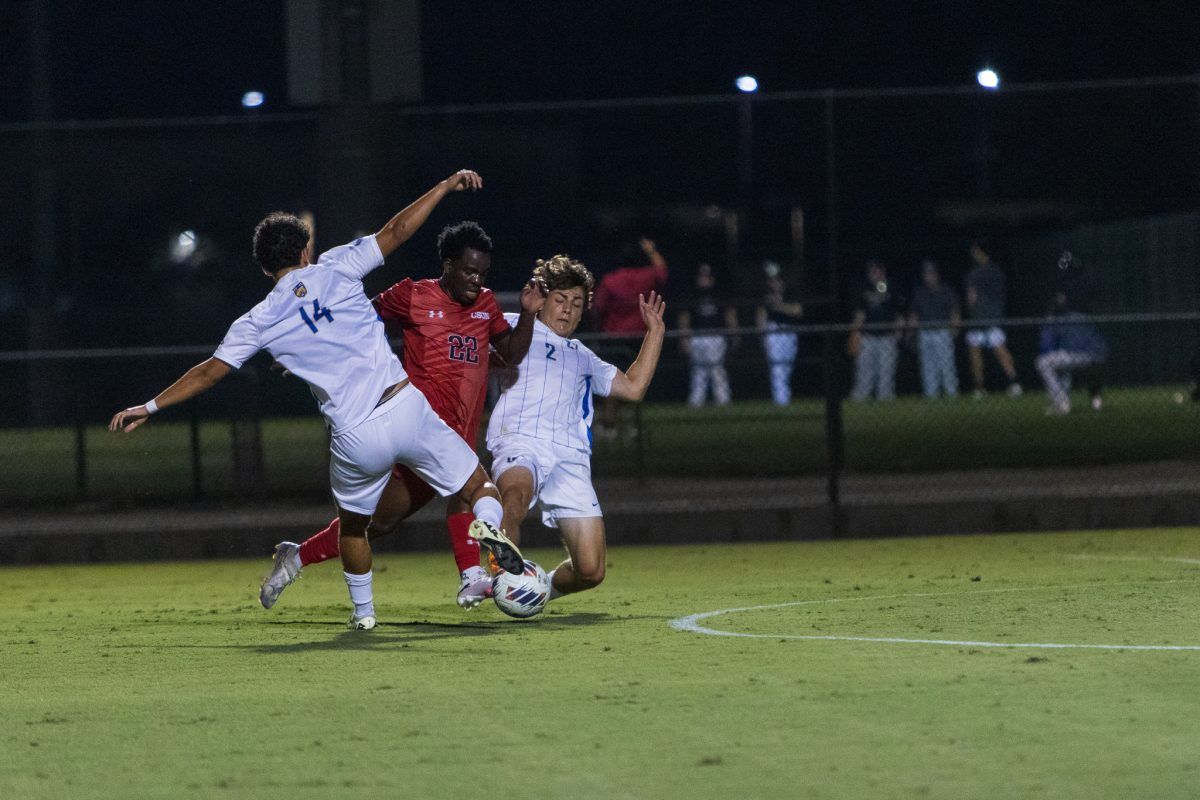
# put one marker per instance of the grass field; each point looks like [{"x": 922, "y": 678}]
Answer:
[
  {"x": 167, "y": 680},
  {"x": 743, "y": 439}
]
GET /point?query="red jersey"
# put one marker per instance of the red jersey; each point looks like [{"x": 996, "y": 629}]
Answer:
[
  {"x": 616, "y": 300},
  {"x": 445, "y": 346}
]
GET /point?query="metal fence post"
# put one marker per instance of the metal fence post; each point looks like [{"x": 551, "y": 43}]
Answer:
[{"x": 834, "y": 434}]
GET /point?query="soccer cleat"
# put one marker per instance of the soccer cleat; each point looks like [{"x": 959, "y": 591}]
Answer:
[
  {"x": 1013, "y": 390},
  {"x": 493, "y": 567},
  {"x": 361, "y": 623},
  {"x": 282, "y": 575},
  {"x": 495, "y": 542},
  {"x": 1097, "y": 403},
  {"x": 476, "y": 587}
]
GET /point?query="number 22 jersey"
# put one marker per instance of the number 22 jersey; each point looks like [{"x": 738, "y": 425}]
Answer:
[{"x": 445, "y": 346}]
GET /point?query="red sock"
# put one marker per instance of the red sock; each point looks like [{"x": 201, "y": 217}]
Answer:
[
  {"x": 466, "y": 549},
  {"x": 322, "y": 546}
]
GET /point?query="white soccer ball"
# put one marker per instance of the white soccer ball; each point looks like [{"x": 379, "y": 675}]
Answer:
[{"x": 523, "y": 595}]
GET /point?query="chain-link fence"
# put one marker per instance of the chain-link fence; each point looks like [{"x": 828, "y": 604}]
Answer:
[{"x": 1117, "y": 420}]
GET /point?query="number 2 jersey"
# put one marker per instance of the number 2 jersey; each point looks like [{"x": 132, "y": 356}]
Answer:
[
  {"x": 552, "y": 397},
  {"x": 318, "y": 323},
  {"x": 445, "y": 346}
]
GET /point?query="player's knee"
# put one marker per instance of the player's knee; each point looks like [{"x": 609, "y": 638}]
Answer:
[
  {"x": 382, "y": 525},
  {"x": 589, "y": 576}
]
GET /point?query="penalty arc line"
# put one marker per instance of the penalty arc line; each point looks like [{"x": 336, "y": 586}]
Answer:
[{"x": 691, "y": 624}]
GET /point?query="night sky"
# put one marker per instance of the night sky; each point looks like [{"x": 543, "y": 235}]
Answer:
[{"x": 145, "y": 58}]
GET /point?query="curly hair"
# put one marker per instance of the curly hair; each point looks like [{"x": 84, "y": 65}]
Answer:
[
  {"x": 279, "y": 240},
  {"x": 564, "y": 272},
  {"x": 455, "y": 238}
]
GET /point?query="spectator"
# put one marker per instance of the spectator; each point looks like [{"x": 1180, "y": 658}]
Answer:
[
  {"x": 875, "y": 351},
  {"x": 706, "y": 313},
  {"x": 985, "y": 301},
  {"x": 779, "y": 310},
  {"x": 935, "y": 304},
  {"x": 615, "y": 305},
  {"x": 1069, "y": 343}
]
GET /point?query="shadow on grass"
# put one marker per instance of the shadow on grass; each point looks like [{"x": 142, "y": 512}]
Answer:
[{"x": 408, "y": 633}]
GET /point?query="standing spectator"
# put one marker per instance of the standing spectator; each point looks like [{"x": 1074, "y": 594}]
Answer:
[
  {"x": 705, "y": 314},
  {"x": 779, "y": 310},
  {"x": 936, "y": 305},
  {"x": 1069, "y": 343},
  {"x": 616, "y": 308},
  {"x": 985, "y": 301},
  {"x": 875, "y": 351}
]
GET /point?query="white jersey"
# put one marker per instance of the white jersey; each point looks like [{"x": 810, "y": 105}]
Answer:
[
  {"x": 552, "y": 398},
  {"x": 319, "y": 324}
]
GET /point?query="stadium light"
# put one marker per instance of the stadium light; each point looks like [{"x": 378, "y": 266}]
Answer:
[
  {"x": 988, "y": 78},
  {"x": 747, "y": 84},
  {"x": 253, "y": 99}
]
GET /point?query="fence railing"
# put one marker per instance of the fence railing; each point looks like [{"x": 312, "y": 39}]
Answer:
[{"x": 1129, "y": 421}]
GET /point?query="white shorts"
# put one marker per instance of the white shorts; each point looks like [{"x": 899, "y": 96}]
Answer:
[
  {"x": 404, "y": 430},
  {"x": 562, "y": 476},
  {"x": 990, "y": 338}
]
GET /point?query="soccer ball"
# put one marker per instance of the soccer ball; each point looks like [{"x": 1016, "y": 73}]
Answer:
[{"x": 523, "y": 595}]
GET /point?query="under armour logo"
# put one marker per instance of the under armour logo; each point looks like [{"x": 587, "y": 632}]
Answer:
[{"x": 438, "y": 314}]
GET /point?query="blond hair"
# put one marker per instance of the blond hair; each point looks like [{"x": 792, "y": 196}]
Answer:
[{"x": 564, "y": 272}]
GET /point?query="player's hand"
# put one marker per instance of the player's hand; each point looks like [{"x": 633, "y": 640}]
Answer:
[
  {"x": 533, "y": 296},
  {"x": 854, "y": 344},
  {"x": 129, "y": 419},
  {"x": 464, "y": 180},
  {"x": 648, "y": 246},
  {"x": 652, "y": 310}
]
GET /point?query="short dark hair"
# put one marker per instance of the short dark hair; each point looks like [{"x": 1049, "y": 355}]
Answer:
[
  {"x": 279, "y": 240},
  {"x": 455, "y": 238}
]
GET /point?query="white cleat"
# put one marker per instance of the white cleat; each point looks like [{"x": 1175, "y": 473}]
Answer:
[
  {"x": 282, "y": 575},
  {"x": 495, "y": 542},
  {"x": 361, "y": 623},
  {"x": 476, "y": 586}
]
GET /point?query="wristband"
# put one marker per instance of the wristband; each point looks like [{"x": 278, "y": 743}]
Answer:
[{"x": 151, "y": 407}]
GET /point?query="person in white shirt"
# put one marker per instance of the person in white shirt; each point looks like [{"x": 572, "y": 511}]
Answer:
[
  {"x": 320, "y": 326},
  {"x": 540, "y": 432}
]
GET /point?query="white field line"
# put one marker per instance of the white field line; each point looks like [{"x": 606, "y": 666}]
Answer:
[
  {"x": 1170, "y": 559},
  {"x": 691, "y": 623}
]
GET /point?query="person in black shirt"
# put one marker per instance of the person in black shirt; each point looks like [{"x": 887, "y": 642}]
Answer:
[
  {"x": 875, "y": 351},
  {"x": 935, "y": 306},
  {"x": 705, "y": 315},
  {"x": 778, "y": 312}
]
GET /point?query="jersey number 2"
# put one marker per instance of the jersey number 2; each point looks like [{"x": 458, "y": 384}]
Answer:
[{"x": 318, "y": 313}]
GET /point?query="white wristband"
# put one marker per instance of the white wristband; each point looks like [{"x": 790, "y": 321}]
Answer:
[{"x": 151, "y": 406}]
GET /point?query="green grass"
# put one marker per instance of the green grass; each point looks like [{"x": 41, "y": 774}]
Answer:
[
  {"x": 166, "y": 680},
  {"x": 743, "y": 439}
]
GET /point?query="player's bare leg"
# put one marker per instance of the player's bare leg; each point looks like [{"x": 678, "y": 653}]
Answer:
[
  {"x": 401, "y": 498},
  {"x": 516, "y": 492},
  {"x": 976, "y": 359},
  {"x": 1006, "y": 363},
  {"x": 586, "y": 550},
  {"x": 484, "y": 499},
  {"x": 356, "y": 565}
]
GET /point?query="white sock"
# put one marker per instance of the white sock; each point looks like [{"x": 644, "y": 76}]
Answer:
[
  {"x": 360, "y": 594},
  {"x": 489, "y": 510},
  {"x": 554, "y": 592}
]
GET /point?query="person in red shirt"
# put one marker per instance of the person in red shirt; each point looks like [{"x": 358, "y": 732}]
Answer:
[
  {"x": 615, "y": 306},
  {"x": 449, "y": 325}
]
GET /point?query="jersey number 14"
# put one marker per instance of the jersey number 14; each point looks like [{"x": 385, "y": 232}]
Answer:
[{"x": 318, "y": 313}]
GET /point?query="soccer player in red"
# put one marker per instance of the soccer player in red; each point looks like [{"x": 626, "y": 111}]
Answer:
[{"x": 448, "y": 325}]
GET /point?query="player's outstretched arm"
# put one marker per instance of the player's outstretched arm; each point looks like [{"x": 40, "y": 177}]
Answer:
[
  {"x": 401, "y": 227},
  {"x": 198, "y": 379},
  {"x": 633, "y": 383},
  {"x": 513, "y": 347}
]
